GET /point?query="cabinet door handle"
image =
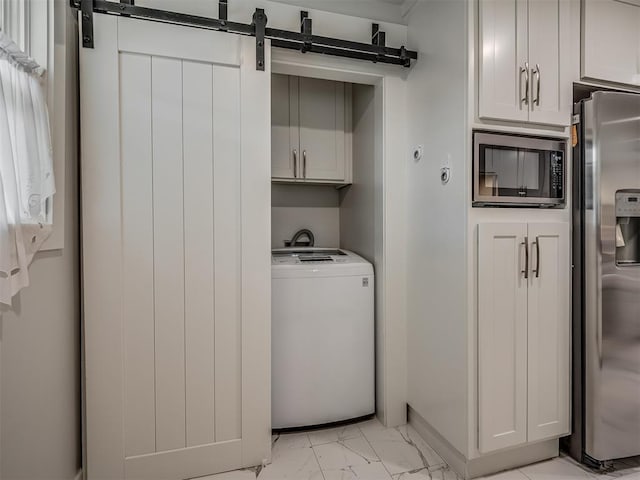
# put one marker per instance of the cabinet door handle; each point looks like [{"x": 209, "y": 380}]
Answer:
[
  {"x": 295, "y": 163},
  {"x": 537, "y": 73},
  {"x": 304, "y": 164},
  {"x": 526, "y": 257},
  {"x": 525, "y": 99},
  {"x": 537, "y": 244}
]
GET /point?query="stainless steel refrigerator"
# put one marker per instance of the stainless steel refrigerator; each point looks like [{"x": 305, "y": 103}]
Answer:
[{"x": 606, "y": 281}]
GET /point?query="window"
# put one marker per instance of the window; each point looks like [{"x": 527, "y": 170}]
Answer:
[
  {"x": 46, "y": 30},
  {"x": 26, "y": 153},
  {"x": 26, "y": 23}
]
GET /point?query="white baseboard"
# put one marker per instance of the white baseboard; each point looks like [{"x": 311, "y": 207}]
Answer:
[{"x": 486, "y": 464}]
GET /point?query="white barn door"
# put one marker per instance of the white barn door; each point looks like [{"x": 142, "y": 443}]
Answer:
[{"x": 176, "y": 238}]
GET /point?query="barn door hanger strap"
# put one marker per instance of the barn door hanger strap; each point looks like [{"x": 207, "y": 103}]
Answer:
[
  {"x": 303, "y": 41},
  {"x": 128, "y": 8},
  {"x": 259, "y": 24}
]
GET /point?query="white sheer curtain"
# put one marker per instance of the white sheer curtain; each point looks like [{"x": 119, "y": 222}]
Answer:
[{"x": 26, "y": 168}]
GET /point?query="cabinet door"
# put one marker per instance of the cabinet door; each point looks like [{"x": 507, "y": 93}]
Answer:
[
  {"x": 548, "y": 331},
  {"x": 284, "y": 127},
  {"x": 322, "y": 129},
  {"x": 611, "y": 41},
  {"x": 549, "y": 43},
  {"x": 502, "y": 57},
  {"x": 502, "y": 336}
]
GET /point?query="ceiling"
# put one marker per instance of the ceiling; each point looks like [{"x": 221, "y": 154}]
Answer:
[{"x": 380, "y": 10}]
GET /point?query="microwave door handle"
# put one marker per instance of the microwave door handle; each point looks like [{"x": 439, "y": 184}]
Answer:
[{"x": 520, "y": 170}]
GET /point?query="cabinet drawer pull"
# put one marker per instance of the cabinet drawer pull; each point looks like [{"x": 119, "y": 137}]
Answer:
[
  {"x": 537, "y": 73},
  {"x": 537, "y": 244},
  {"x": 304, "y": 164},
  {"x": 525, "y": 99},
  {"x": 526, "y": 257},
  {"x": 295, "y": 163}
]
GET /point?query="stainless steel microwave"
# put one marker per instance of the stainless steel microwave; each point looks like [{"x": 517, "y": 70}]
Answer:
[{"x": 518, "y": 171}]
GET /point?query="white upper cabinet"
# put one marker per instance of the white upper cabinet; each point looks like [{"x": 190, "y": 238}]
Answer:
[
  {"x": 523, "y": 61},
  {"x": 611, "y": 41},
  {"x": 322, "y": 129},
  {"x": 285, "y": 142},
  {"x": 549, "y": 39},
  {"x": 310, "y": 130},
  {"x": 503, "y": 56},
  {"x": 523, "y": 333}
]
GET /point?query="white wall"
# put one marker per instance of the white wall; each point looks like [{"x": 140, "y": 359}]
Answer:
[
  {"x": 357, "y": 202},
  {"x": 387, "y": 11},
  {"x": 294, "y": 207},
  {"x": 362, "y": 226},
  {"x": 39, "y": 341},
  {"x": 287, "y": 17},
  {"x": 437, "y": 318}
]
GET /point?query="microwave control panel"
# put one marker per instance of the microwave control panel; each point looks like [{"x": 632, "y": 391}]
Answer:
[{"x": 557, "y": 174}]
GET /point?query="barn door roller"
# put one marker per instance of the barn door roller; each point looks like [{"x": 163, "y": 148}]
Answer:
[
  {"x": 303, "y": 41},
  {"x": 259, "y": 24}
]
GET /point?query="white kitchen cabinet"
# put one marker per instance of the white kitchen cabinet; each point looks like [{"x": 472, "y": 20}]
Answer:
[
  {"x": 523, "y": 333},
  {"x": 611, "y": 41},
  {"x": 310, "y": 124},
  {"x": 502, "y": 336},
  {"x": 523, "y": 61},
  {"x": 322, "y": 129},
  {"x": 503, "y": 55},
  {"x": 549, "y": 336},
  {"x": 284, "y": 139}
]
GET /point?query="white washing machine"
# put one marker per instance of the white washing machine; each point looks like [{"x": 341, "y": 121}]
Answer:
[{"x": 322, "y": 337}]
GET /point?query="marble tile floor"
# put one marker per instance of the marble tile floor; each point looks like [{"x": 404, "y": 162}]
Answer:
[{"x": 370, "y": 451}]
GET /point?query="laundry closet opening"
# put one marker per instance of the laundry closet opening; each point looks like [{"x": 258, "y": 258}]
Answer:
[
  {"x": 326, "y": 194},
  {"x": 323, "y": 163}
]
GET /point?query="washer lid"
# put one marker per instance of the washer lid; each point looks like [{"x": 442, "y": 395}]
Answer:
[
  {"x": 305, "y": 255},
  {"x": 313, "y": 261}
]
